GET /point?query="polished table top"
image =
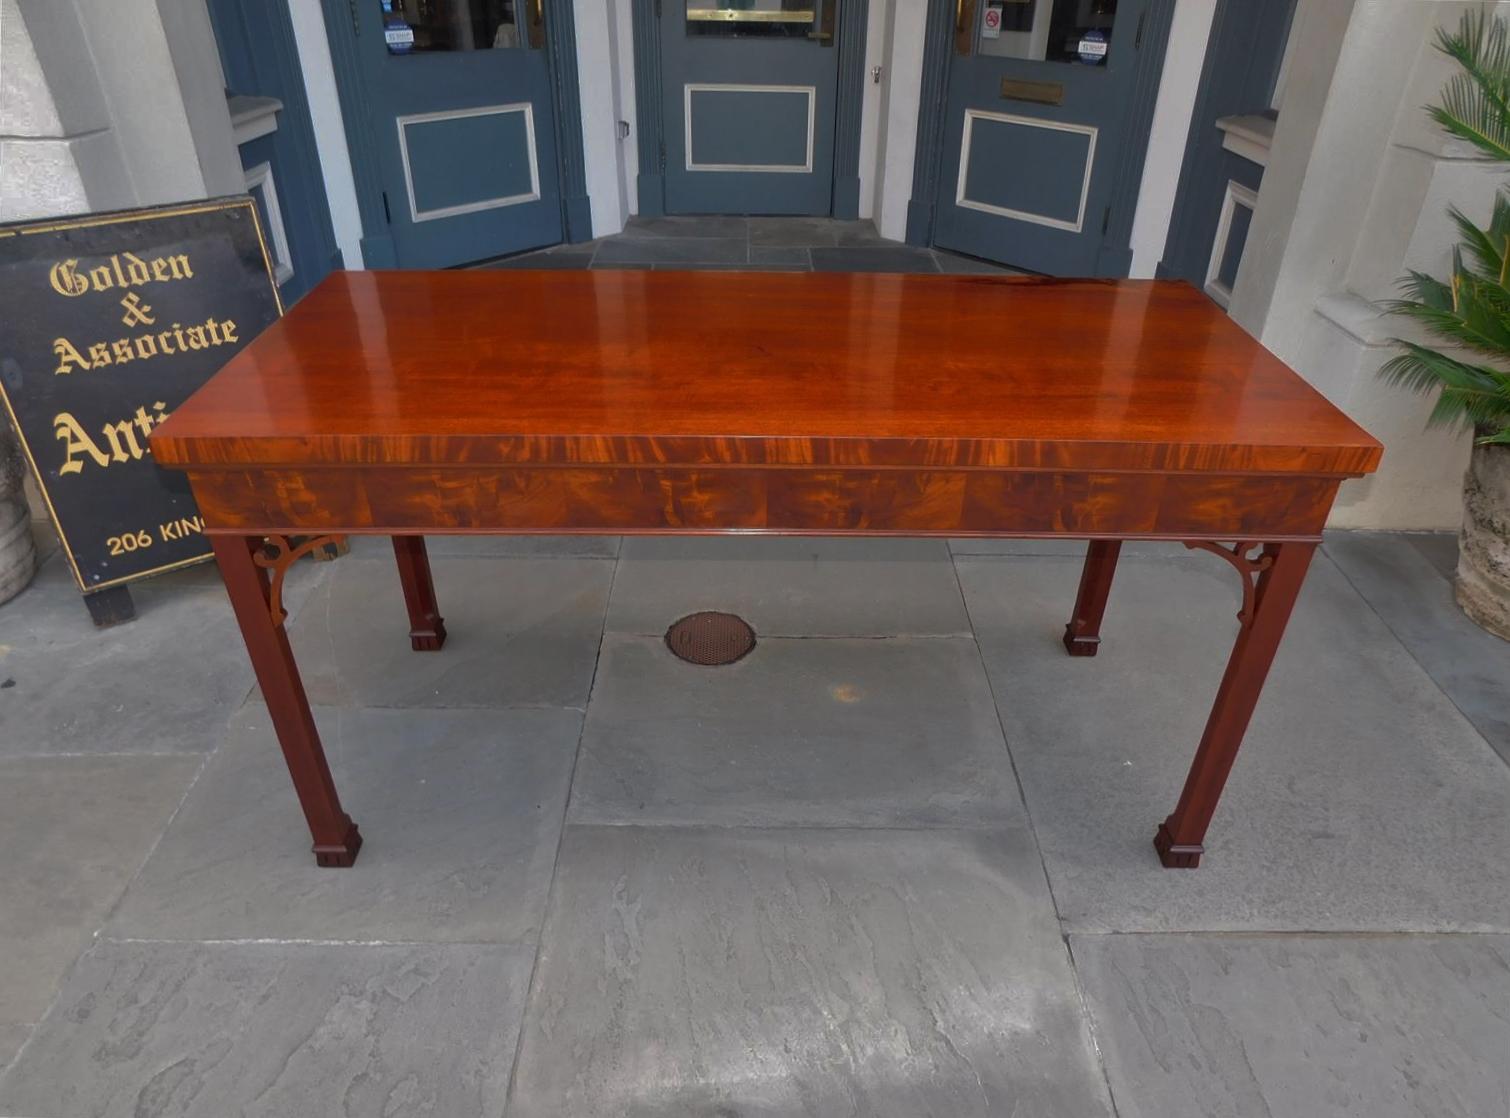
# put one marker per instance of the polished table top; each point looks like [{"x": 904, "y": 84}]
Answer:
[
  {"x": 693, "y": 368},
  {"x": 409, "y": 404}
]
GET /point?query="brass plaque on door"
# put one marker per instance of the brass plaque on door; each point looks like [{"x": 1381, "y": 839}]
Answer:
[{"x": 1040, "y": 93}]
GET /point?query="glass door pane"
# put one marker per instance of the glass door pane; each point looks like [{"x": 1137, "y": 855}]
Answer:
[
  {"x": 422, "y": 26},
  {"x": 1077, "y": 31}
]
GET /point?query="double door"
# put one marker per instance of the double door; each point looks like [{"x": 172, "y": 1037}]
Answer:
[
  {"x": 460, "y": 101},
  {"x": 1037, "y": 115},
  {"x": 749, "y": 92}
]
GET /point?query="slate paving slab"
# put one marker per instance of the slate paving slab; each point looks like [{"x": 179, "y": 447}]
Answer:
[
  {"x": 12, "y": 1037},
  {"x": 73, "y": 831},
  {"x": 880, "y": 973},
  {"x": 673, "y": 250},
  {"x": 908, "y": 968},
  {"x": 721, "y": 266},
  {"x": 460, "y": 814},
  {"x": 881, "y": 257},
  {"x": 164, "y": 683},
  {"x": 800, "y": 732},
  {"x": 792, "y": 255},
  {"x": 812, "y": 232},
  {"x": 1439, "y": 548},
  {"x": 790, "y": 586},
  {"x": 522, "y": 632},
  {"x": 178, "y": 1030},
  {"x": 694, "y": 225},
  {"x": 1302, "y": 1026},
  {"x": 1406, "y": 589},
  {"x": 1361, "y": 800}
]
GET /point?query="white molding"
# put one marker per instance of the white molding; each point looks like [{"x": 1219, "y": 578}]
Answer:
[
  {"x": 415, "y": 213},
  {"x": 1237, "y": 195},
  {"x": 330, "y": 132},
  {"x": 603, "y": 152},
  {"x": 261, "y": 176},
  {"x": 1023, "y": 215},
  {"x": 1184, "y": 59},
  {"x": 252, "y": 117},
  {"x": 805, "y": 168},
  {"x": 1249, "y": 136}
]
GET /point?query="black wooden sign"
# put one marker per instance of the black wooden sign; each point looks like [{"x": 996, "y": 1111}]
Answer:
[{"x": 110, "y": 322}]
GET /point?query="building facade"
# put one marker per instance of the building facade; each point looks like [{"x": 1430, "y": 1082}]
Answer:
[{"x": 1272, "y": 152}]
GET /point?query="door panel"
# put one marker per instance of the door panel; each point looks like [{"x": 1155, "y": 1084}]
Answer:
[
  {"x": 996, "y": 145},
  {"x": 280, "y": 162},
  {"x": 749, "y": 103},
  {"x": 1036, "y": 115},
  {"x": 749, "y": 127},
  {"x": 461, "y": 101},
  {"x": 462, "y": 162}
]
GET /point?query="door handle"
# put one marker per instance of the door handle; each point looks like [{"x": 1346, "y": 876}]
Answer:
[
  {"x": 964, "y": 26},
  {"x": 534, "y": 21},
  {"x": 823, "y": 34}
]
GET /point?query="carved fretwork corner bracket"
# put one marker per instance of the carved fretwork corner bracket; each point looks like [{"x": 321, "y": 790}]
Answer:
[
  {"x": 1247, "y": 565},
  {"x": 277, "y": 555}
]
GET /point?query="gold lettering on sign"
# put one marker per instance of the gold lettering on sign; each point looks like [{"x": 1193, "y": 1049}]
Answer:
[
  {"x": 69, "y": 357},
  {"x": 178, "y": 338},
  {"x": 173, "y": 530},
  {"x": 121, "y": 443},
  {"x": 122, "y": 270},
  {"x": 137, "y": 312}
]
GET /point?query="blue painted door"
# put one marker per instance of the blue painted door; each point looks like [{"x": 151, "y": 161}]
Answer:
[
  {"x": 460, "y": 100},
  {"x": 1036, "y": 118},
  {"x": 276, "y": 139},
  {"x": 749, "y": 89}
]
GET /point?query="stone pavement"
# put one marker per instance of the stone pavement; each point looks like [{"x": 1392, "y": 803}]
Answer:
[
  {"x": 759, "y": 243},
  {"x": 895, "y": 862}
]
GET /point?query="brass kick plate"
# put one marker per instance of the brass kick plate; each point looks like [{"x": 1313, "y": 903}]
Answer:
[{"x": 1040, "y": 93}]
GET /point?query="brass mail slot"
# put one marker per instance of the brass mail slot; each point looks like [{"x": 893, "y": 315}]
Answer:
[
  {"x": 747, "y": 15},
  {"x": 1040, "y": 93}
]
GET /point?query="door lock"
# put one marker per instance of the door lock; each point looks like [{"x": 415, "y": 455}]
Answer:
[{"x": 875, "y": 75}]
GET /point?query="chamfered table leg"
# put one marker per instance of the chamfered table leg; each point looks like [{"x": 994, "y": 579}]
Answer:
[
  {"x": 1263, "y": 624},
  {"x": 336, "y": 838},
  {"x": 427, "y": 630},
  {"x": 1082, "y": 636}
]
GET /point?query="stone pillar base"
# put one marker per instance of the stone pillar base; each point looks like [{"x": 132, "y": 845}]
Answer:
[
  {"x": 1483, "y": 583},
  {"x": 18, "y": 553}
]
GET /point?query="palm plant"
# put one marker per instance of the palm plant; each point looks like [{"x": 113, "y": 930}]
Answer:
[{"x": 1471, "y": 310}]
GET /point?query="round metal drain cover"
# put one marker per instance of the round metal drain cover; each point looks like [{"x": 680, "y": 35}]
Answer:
[{"x": 710, "y": 638}]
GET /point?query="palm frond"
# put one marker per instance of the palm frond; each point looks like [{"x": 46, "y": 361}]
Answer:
[
  {"x": 1489, "y": 249},
  {"x": 1420, "y": 288},
  {"x": 1470, "y": 310},
  {"x": 1475, "y": 104},
  {"x": 1467, "y": 395}
]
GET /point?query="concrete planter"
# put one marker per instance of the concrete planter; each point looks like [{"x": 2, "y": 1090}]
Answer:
[
  {"x": 18, "y": 554},
  {"x": 1483, "y": 585}
]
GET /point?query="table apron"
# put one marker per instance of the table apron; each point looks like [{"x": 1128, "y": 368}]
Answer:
[{"x": 513, "y": 499}]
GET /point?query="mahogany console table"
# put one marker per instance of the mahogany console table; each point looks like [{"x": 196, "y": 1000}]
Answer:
[{"x": 415, "y": 403}]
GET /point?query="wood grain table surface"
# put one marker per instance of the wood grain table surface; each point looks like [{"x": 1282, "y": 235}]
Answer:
[{"x": 417, "y": 403}]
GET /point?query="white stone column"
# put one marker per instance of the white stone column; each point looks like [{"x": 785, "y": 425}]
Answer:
[
  {"x": 37, "y": 161},
  {"x": 1356, "y": 193}
]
